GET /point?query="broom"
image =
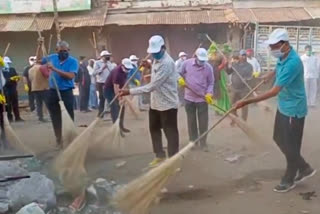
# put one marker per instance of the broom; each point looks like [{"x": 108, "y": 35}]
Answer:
[
  {"x": 69, "y": 130},
  {"x": 245, "y": 127},
  {"x": 9, "y": 134},
  {"x": 70, "y": 163},
  {"x": 138, "y": 196},
  {"x": 265, "y": 106}
]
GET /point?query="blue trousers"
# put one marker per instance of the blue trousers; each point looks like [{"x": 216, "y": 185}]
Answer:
[{"x": 115, "y": 107}]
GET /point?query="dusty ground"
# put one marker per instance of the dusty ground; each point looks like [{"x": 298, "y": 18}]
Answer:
[{"x": 207, "y": 184}]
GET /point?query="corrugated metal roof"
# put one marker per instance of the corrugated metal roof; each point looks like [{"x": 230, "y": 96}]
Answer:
[
  {"x": 313, "y": 12},
  {"x": 281, "y": 14},
  {"x": 24, "y": 23}
]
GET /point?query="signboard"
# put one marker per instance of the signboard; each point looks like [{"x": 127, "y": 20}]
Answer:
[{"x": 40, "y": 6}]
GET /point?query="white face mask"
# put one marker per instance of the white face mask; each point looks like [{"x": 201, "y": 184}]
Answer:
[
  {"x": 135, "y": 63},
  {"x": 184, "y": 58},
  {"x": 277, "y": 53}
]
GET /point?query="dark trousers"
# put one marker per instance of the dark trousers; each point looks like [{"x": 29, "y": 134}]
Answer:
[
  {"x": 55, "y": 111},
  {"x": 167, "y": 121},
  {"x": 101, "y": 97},
  {"x": 237, "y": 96},
  {"x": 115, "y": 107},
  {"x": 12, "y": 104},
  {"x": 288, "y": 133},
  {"x": 41, "y": 97},
  {"x": 84, "y": 97},
  {"x": 3, "y": 141},
  {"x": 197, "y": 113},
  {"x": 31, "y": 98}
]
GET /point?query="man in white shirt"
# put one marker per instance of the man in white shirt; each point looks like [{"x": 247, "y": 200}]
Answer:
[
  {"x": 164, "y": 100},
  {"x": 102, "y": 69},
  {"x": 254, "y": 62},
  {"x": 311, "y": 75}
]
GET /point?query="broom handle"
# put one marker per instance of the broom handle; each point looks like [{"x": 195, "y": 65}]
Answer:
[
  {"x": 235, "y": 70},
  {"x": 7, "y": 49},
  {"x": 227, "y": 113},
  {"x": 124, "y": 86}
]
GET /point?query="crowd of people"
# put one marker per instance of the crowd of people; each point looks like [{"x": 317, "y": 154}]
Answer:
[{"x": 163, "y": 85}]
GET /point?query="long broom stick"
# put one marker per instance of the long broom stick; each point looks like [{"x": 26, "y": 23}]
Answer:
[
  {"x": 249, "y": 131},
  {"x": 138, "y": 196},
  {"x": 263, "y": 104},
  {"x": 6, "y": 50}
]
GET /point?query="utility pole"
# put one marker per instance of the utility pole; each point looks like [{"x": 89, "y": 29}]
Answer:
[{"x": 56, "y": 19}]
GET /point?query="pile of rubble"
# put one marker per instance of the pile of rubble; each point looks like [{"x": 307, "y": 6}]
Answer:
[{"x": 38, "y": 195}]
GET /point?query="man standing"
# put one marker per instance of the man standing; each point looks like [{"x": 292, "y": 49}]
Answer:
[
  {"x": 38, "y": 75},
  {"x": 311, "y": 75},
  {"x": 63, "y": 69},
  {"x": 102, "y": 69},
  {"x": 292, "y": 108},
  {"x": 10, "y": 90},
  {"x": 197, "y": 76},
  {"x": 27, "y": 83},
  {"x": 84, "y": 82},
  {"x": 254, "y": 62},
  {"x": 113, "y": 84},
  {"x": 239, "y": 89},
  {"x": 93, "y": 99},
  {"x": 164, "y": 100}
]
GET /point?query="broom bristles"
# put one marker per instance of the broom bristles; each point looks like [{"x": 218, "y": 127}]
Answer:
[
  {"x": 13, "y": 138},
  {"x": 69, "y": 130},
  {"x": 138, "y": 196},
  {"x": 133, "y": 106}
]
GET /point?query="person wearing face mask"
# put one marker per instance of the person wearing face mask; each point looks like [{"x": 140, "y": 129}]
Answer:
[
  {"x": 27, "y": 83},
  {"x": 112, "y": 86},
  {"x": 136, "y": 81},
  {"x": 197, "y": 76},
  {"x": 164, "y": 100},
  {"x": 311, "y": 75},
  {"x": 84, "y": 82},
  {"x": 102, "y": 69},
  {"x": 238, "y": 88},
  {"x": 292, "y": 108},
  {"x": 63, "y": 68},
  {"x": 10, "y": 90}
]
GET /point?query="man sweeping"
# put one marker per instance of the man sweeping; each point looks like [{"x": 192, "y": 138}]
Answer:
[
  {"x": 238, "y": 88},
  {"x": 113, "y": 84},
  {"x": 164, "y": 100},
  {"x": 292, "y": 109},
  {"x": 311, "y": 75},
  {"x": 64, "y": 69},
  {"x": 197, "y": 75}
]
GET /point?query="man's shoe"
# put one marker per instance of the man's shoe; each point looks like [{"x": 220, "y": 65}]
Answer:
[
  {"x": 205, "y": 148},
  {"x": 284, "y": 187},
  {"x": 43, "y": 120},
  {"x": 156, "y": 162},
  {"x": 305, "y": 174},
  {"x": 19, "y": 120},
  {"x": 125, "y": 130}
]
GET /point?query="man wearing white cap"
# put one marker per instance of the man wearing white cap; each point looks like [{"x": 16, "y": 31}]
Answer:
[
  {"x": 113, "y": 84},
  {"x": 164, "y": 100},
  {"x": 292, "y": 108},
  {"x": 137, "y": 75},
  {"x": 197, "y": 76},
  {"x": 102, "y": 69},
  {"x": 27, "y": 83}
]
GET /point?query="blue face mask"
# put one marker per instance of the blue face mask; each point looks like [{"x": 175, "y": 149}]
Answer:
[
  {"x": 158, "y": 56},
  {"x": 200, "y": 63}
]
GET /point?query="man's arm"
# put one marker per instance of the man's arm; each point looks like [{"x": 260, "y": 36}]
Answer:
[
  {"x": 161, "y": 76},
  {"x": 64, "y": 74},
  {"x": 210, "y": 81},
  {"x": 274, "y": 91}
]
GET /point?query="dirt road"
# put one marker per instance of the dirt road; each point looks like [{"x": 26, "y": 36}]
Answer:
[{"x": 207, "y": 183}]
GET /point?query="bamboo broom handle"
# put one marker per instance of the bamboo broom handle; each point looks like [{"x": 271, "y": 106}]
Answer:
[{"x": 7, "y": 49}]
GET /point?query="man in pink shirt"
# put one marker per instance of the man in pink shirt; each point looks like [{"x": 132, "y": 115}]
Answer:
[{"x": 197, "y": 77}]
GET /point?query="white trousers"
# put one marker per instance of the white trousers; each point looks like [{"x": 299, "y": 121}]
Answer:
[{"x": 311, "y": 90}]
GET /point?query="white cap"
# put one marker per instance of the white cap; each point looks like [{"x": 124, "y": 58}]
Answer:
[
  {"x": 202, "y": 54},
  {"x": 32, "y": 57},
  {"x": 181, "y": 54},
  {"x": 105, "y": 53},
  {"x": 133, "y": 58},
  {"x": 127, "y": 63},
  {"x": 155, "y": 44},
  {"x": 6, "y": 59},
  {"x": 278, "y": 35}
]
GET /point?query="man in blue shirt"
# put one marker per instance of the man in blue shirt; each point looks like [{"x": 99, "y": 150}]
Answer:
[
  {"x": 292, "y": 108},
  {"x": 63, "y": 69}
]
